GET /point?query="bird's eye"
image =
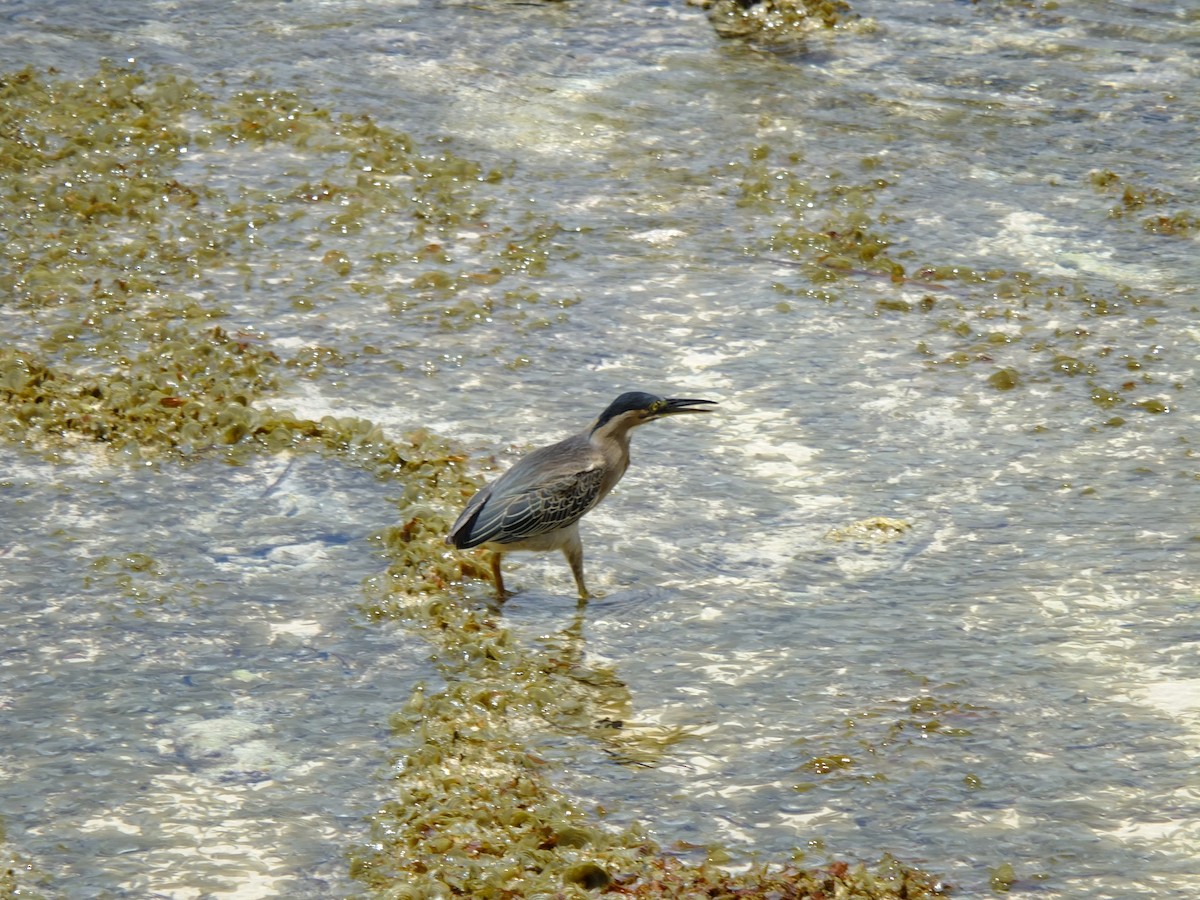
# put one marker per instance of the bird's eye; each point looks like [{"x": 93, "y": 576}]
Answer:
[{"x": 658, "y": 406}]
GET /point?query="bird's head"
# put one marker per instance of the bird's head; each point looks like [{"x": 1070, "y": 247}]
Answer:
[{"x": 636, "y": 408}]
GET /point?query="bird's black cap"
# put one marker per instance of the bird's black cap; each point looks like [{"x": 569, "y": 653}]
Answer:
[{"x": 651, "y": 404}]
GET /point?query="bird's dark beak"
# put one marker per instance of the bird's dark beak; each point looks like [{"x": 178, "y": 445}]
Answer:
[{"x": 676, "y": 407}]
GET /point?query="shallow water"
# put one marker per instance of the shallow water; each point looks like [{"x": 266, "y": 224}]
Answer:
[
  {"x": 185, "y": 710},
  {"x": 193, "y": 704}
]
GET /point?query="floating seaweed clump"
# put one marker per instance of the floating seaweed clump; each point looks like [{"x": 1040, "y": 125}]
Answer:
[
  {"x": 1135, "y": 198},
  {"x": 776, "y": 21},
  {"x": 877, "y": 529}
]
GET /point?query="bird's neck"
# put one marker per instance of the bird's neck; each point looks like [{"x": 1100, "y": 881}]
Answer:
[
  {"x": 611, "y": 433},
  {"x": 612, "y": 441}
]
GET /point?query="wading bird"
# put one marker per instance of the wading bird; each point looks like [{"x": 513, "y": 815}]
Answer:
[{"x": 537, "y": 504}]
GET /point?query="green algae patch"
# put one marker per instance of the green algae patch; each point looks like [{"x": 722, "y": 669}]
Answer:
[
  {"x": 188, "y": 392},
  {"x": 1004, "y": 379},
  {"x": 875, "y": 529},
  {"x": 823, "y": 765},
  {"x": 1182, "y": 223},
  {"x": 18, "y": 876},
  {"x": 877, "y": 741},
  {"x": 827, "y": 225},
  {"x": 777, "y": 22},
  {"x": 1005, "y": 330},
  {"x": 1002, "y": 878},
  {"x": 1134, "y": 199},
  {"x": 136, "y": 206},
  {"x": 192, "y": 394}
]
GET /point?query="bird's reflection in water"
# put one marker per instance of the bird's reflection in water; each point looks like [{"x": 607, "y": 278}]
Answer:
[{"x": 590, "y": 699}]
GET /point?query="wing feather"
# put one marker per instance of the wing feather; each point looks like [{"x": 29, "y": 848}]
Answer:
[{"x": 510, "y": 513}]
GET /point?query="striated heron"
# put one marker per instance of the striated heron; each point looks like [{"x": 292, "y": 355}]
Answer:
[{"x": 537, "y": 504}]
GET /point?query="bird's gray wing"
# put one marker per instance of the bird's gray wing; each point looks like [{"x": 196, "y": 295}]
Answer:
[
  {"x": 522, "y": 509},
  {"x": 460, "y": 533}
]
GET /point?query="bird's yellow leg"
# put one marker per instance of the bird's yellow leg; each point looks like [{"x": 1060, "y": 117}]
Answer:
[
  {"x": 574, "y": 555},
  {"x": 498, "y": 577}
]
